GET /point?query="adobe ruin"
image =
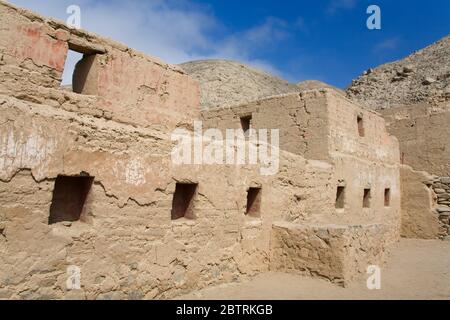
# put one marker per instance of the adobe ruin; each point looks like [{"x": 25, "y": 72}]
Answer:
[
  {"x": 413, "y": 96},
  {"x": 87, "y": 180}
]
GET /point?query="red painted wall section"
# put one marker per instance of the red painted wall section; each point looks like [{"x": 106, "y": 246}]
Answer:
[
  {"x": 129, "y": 87},
  {"x": 31, "y": 42}
]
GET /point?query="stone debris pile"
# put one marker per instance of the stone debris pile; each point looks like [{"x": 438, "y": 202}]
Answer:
[{"x": 441, "y": 187}]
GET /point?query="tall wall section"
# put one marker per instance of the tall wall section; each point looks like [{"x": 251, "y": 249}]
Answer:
[
  {"x": 423, "y": 131},
  {"x": 366, "y": 161},
  {"x": 320, "y": 124},
  {"x": 324, "y": 125}
]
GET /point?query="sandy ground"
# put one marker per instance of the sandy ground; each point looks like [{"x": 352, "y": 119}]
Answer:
[{"x": 416, "y": 269}]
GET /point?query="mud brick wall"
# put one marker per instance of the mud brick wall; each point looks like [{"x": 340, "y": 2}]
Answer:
[
  {"x": 125, "y": 243},
  {"x": 121, "y": 84},
  {"x": 423, "y": 132},
  {"x": 338, "y": 253},
  {"x": 322, "y": 124}
]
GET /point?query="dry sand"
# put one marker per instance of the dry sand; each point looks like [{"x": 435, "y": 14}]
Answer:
[{"x": 416, "y": 269}]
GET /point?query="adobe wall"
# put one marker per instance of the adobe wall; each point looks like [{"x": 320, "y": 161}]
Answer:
[
  {"x": 339, "y": 253},
  {"x": 322, "y": 124},
  {"x": 419, "y": 218},
  {"x": 367, "y": 161},
  {"x": 301, "y": 117},
  {"x": 423, "y": 132},
  {"x": 122, "y": 84},
  {"x": 126, "y": 244}
]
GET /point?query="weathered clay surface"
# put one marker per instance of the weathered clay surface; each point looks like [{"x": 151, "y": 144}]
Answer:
[
  {"x": 418, "y": 218},
  {"x": 127, "y": 230},
  {"x": 322, "y": 125},
  {"x": 129, "y": 87},
  {"x": 424, "y": 136},
  {"x": 335, "y": 252}
]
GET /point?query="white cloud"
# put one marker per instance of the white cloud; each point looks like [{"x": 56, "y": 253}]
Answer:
[
  {"x": 336, "y": 5},
  {"x": 173, "y": 30},
  {"x": 387, "y": 45}
]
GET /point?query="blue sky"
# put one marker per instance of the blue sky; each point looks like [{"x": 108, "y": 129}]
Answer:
[{"x": 298, "y": 40}]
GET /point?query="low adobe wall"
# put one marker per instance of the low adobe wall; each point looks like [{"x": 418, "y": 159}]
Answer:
[{"x": 339, "y": 253}]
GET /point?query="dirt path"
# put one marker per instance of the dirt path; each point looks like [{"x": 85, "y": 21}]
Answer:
[{"x": 416, "y": 269}]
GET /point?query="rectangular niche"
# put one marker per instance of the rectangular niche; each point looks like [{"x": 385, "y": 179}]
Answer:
[
  {"x": 340, "y": 198},
  {"x": 183, "y": 201},
  {"x": 361, "y": 130},
  {"x": 387, "y": 197},
  {"x": 69, "y": 197},
  {"x": 246, "y": 124},
  {"x": 367, "y": 198},
  {"x": 253, "y": 208}
]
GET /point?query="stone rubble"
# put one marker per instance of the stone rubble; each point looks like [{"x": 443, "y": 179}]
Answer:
[
  {"x": 422, "y": 77},
  {"x": 441, "y": 188}
]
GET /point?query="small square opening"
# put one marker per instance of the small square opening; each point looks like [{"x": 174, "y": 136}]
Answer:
[
  {"x": 253, "y": 202},
  {"x": 183, "y": 201},
  {"x": 387, "y": 197},
  {"x": 360, "y": 121},
  {"x": 246, "y": 124},
  {"x": 78, "y": 75},
  {"x": 340, "y": 198},
  {"x": 367, "y": 198},
  {"x": 69, "y": 197}
]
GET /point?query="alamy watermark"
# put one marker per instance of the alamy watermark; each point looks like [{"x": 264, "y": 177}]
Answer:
[
  {"x": 237, "y": 147},
  {"x": 374, "y": 20},
  {"x": 374, "y": 280},
  {"x": 73, "y": 281},
  {"x": 74, "y": 19}
]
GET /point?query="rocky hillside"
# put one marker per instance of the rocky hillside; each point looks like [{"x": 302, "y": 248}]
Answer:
[
  {"x": 225, "y": 83},
  {"x": 423, "y": 76}
]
